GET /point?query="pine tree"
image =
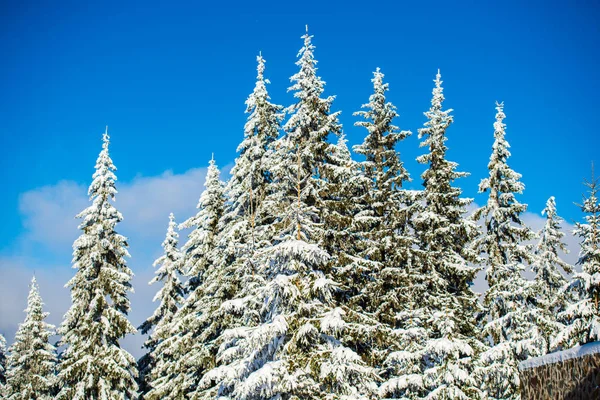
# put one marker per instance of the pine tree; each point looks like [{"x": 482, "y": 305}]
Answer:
[
  {"x": 185, "y": 352},
  {"x": 250, "y": 176},
  {"x": 344, "y": 238},
  {"x": 245, "y": 227},
  {"x": 440, "y": 326},
  {"x": 93, "y": 365},
  {"x": 548, "y": 279},
  {"x": 582, "y": 316},
  {"x": 298, "y": 348},
  {"x": 385, "y": 171},
  {"x": 510, "y": 301},
  {"x": 205, "y": 224},
  {"x": 32, "y": 360},
  {"x": 170, "y": 296},
  {"x": 383, "y": 218},
  {"x": 2, "y": 363}
]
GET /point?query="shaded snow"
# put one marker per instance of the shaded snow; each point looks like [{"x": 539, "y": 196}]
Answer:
[{"x": 575, "y": 352}]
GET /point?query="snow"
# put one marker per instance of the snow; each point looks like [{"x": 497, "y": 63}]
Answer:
[
  {"x": 560, "y": 356},
  {"x": 413, "y": 381},
  {"x": 333, "y": 322}
]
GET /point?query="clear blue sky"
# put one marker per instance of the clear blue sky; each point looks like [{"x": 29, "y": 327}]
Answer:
[{"x": 171, "y": 81}]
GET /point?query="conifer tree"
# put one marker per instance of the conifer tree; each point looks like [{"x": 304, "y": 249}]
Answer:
[
  {"x": 383, "y": 220},
  {"x": 547, "y": 266},
  {"x": 309, "y": 126},
  {"x": 2, "y": 363},
  {"x": 440, "y": 327},
  {"x": 385, "y": 172},
  {"x": 185, "y": 352},
  {"x": 32, "y": 360},
  {"x": 170, "y": 296},
  {"x": 510, "y": 302},
  {"x": 344, "y": 237},
  {"x": 246, "y": 226},
  {"x": 202, "y": 240},
  {"x": 297, "y": 350},
  {"x": 251, "y": 175},
  {"x": 93, "y": 365},
  {"x": 582, "y": 316}
]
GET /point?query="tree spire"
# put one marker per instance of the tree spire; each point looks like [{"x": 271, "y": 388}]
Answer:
[
  {"x": 93, "y": 364},
  {"x": 582, "y": 316},
  {"x": 32, "y": 359},
  {"x": 170, "y": 296},
  {"x": 443, "y": 269},
  {"x": 510, "y": 302}
]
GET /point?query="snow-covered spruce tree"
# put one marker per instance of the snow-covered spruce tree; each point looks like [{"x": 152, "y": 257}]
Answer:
[
  {"x": 383, "y": 220},
  {"x": 333, "y": 179},
  {"x": 344, "y": 241},
  {"x": 293, "y": 352},
  {"x": 2, "y": 363},
  {"x": 203, "y": 238},
  {"x": 386, "y": 174},
  {"x": 183, "y": 354},
  {"x": 343, "y": 237},
  {"x": 250, "y": 177},
  {"x": 440, "y": 326},
  {"x": 547, "y": 268},
  {"x": 93, "y": 365},
  {"x": 170, "y": 296},
  {"x": 298, "y": 349},
  {"x": 245, "y": 227},
  {"x": 32, "y": 360},
  {"x": 510, "y": 302},
  {"x": 582, "y": 316},
  {"x": 242, "y": 227}
]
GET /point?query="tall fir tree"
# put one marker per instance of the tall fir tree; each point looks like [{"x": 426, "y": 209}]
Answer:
[
  {"x": 246, "y": 226},
  {"x": 170, "y": 296},
  {"x": 549, "y": 280},
  {"x": 343, "y": 234},
  {"x": 245, "y": 221},
  {"x": 383, "y": 220},
  {"x": 437, "y": 360},
  {"x": 185, "y": 352},
  {"x": 297, "y": 350},
  {"x": 582, "y": 316},
  {"x": 510, "y": 302},
  {"x": 93, "y": 365},
  {"x": 386, "y": 174},
  {"x": 197, "y": 251},
  {"x": 32, "y": 361},
  {"x": 246, "y": 218}
]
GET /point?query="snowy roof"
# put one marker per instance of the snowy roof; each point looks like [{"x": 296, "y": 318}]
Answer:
[{"x": 575, "y": 352}]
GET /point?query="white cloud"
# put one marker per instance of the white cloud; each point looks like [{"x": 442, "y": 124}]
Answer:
[
  {"x": 50, "y": 228},
  {"x": 49, "y": 214}
]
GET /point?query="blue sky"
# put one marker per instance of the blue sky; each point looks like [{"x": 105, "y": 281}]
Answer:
[{"x": 171, "y": 81}]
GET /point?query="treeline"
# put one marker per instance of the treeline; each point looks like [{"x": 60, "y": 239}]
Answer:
[{"x": 310, "y": 275}]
